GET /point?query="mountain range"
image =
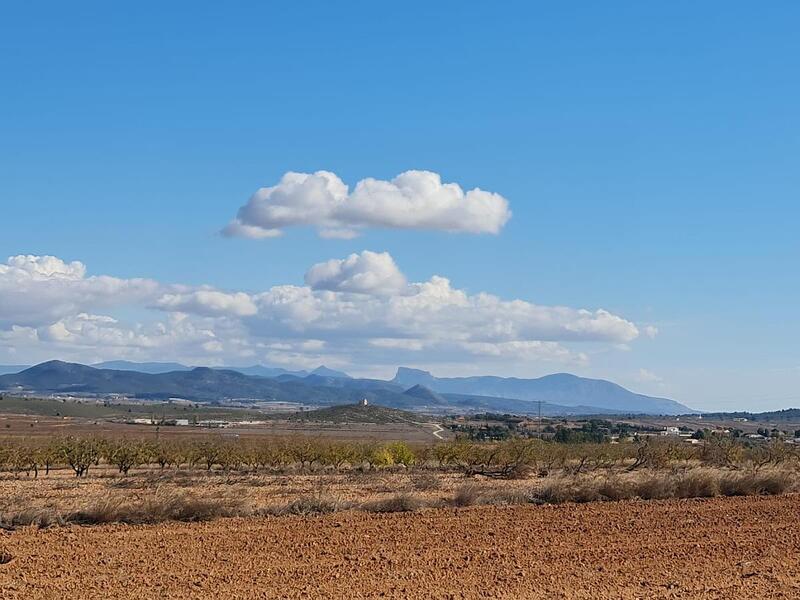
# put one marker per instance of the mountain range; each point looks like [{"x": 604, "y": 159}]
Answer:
[
  {"x": 560, "y": 394},
  {"x": 559, "y": 388}
]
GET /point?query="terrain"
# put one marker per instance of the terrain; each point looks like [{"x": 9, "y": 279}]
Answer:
[
  {"x": 559, "y": 388},
  {"x": 560, "y": 394},
  {"x": 717, "y": 548},
  {"x": 356, "y": 413}
]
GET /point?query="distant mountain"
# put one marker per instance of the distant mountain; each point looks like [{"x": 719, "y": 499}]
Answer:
[
  {"x": 562, "y": 388},
  {"x": 425, "y": 393},
  {"x": 141, "y": 367},
  {"x": 202, "y": 384},
  {"x": 473, "y": 403},
  {"x": 262, "y": 371},
  {"x": 554, "y": 395},
  {"x": 6, "y": 369},
  {"x": 348, "y": 383},
  {"x": 324, "y": 371},
  {"x": 166, "y": 367}
]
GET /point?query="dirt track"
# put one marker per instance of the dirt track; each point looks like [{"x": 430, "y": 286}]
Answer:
[{"x": 721, "y": 548}]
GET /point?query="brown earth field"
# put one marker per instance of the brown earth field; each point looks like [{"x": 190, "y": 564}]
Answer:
[{"x": 746, "y": 547}]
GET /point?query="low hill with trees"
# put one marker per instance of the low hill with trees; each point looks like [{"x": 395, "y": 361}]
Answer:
[{"x": 358, "y": 413}]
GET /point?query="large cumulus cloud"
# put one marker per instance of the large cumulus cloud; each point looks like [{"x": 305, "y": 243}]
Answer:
[
  {"x": 412, "y": 200},
  {"x": 34, "y": 289},
  {"x": 355, "y": 311}
]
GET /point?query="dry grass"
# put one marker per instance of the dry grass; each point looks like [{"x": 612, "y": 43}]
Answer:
[
  {"x": 759, "y": 483},
  {"x": 466, "y": 495},
  {"x": 426, "y": 481},
  {"x": 398, "y": 503},
  {"x": 507, "y": 497},
  {"x": 653, "y": 485},
  {"x": 156, "y": 496},
  {"x": 162, "y": 505}
]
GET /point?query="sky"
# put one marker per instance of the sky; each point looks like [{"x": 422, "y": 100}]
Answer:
[{"x": 519, "y": 188}]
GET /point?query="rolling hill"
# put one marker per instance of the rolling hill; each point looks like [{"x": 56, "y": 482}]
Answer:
[
  {"x": 558, "y": 394},
  {"x": 357, "y": 413}
]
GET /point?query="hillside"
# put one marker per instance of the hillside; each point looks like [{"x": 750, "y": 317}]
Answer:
[
  {"x": 426, "y": 394},
  {"x": 561, "y": 388},
  {"x": 47, "y": 407},
  {"x": 788, "y": 414},
  {"x": 357, "y": 413}
]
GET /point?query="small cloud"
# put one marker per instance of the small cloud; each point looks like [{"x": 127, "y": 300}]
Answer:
[
  {"x": 645, "y": 376},
  {"x": 238, "y": 229},
  {"x": 412, "y": 200},
  {"x": 366, "y": 273}
]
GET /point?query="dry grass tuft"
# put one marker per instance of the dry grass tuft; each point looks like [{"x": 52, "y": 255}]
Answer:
[
  {"x": 173, "y": 505},
  {"x": 758, "y": 483},
  {"x": 466, "y": 495},
  {"x": 25, "y": 517},
  {"x": 658, "y": 485},
  {"x": 652, "y": 486},
  {"x": 309, "y": 505},
  {"x": 507, "y": 497},
  {"x": 398, "y": 503},
  {"x": 426, "y": 482}
]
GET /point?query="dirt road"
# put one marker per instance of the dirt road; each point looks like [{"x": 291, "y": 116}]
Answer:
[{"x": 720, "y": 548}]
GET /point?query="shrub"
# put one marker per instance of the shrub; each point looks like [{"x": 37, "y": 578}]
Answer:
[{"x": 401, "y": 454}]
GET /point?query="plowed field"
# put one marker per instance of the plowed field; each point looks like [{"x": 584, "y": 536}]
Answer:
[{"x": 719, "y": 548}]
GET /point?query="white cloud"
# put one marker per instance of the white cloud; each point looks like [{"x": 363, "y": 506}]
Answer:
[
  {"x": 238, "y": 229},
  {"x": 38, "y": 289},
  {"x": 398, "y": 343},
  {"x": 365, "y": 273},
  {"x": 208, "y": 302},
  {"x": 431, "y": 315},
  {"x": 646, "y": 376},
  {"x": 359, "y": 310},
  {"x": 412, "y": 200},
  {"x": 529, "y": 351},
  {"x": 650, "y": 331},
  {"x": 42, "y": 268}
]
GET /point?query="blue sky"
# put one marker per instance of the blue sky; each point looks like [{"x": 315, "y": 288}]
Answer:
[{"x": 648, "y": 154}]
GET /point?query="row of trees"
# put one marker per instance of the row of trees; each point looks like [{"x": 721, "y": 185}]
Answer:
[
  {"x": 82, "y": 453},
  {"x": 511, "y": 457}
]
